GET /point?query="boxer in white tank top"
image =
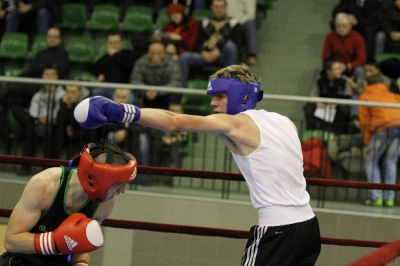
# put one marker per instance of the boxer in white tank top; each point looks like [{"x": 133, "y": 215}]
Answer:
[{"x": 266, "y": 148}]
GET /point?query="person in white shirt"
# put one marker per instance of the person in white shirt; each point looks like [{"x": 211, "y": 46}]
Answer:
[{"x": 266, "y": 148}]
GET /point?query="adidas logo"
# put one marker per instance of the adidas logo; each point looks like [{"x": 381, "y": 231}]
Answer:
[{"x": 70, "y": 242}]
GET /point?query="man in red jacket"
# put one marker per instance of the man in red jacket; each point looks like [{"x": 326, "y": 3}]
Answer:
[{"x": 346, "y": 45}]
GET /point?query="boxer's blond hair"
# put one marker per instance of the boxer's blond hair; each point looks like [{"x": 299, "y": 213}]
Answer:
[{"x": 241, "y": 72}]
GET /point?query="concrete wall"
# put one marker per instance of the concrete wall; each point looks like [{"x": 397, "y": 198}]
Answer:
[{"x": 144, "y": 248}]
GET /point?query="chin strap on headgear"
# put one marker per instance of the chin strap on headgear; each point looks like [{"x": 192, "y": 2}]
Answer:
[
  {"x": 97, "y": 178},
  {"x": 242, "y": 96}
]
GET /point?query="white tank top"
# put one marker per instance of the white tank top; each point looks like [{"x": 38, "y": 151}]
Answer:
[{"x": 274, "y": 172}]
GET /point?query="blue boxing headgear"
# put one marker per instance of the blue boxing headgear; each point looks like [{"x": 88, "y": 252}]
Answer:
[{"x": 242, "y": 96}]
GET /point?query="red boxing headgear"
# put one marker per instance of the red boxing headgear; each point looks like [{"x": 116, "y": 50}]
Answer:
[{"x": 97, "y": 178}]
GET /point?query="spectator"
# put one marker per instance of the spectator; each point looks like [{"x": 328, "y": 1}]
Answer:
[
  {"x": 381, "y": 131},
  {"x": 41, "y": 120},
  {"x": 347, "y": 46},
  {"x": 371, "y": 68},
  {"x": 59, "y": 213},
  {"x": 366, "y": 18},
  {"x": 218, "y": 43},
  {"x": 245, "y": 12},
  {"x": 132, "y": 137},
  {"x": 180, "y": 33},
  {"x": 390, "y": 36},
  {"x": 125, "y": 135},
  {"x": 40, "y": 11},
  {"x": 115, "y": 66},
  {"x": 55, "y": 54},
  {"x": 70, "y": 135},
  {"x": 21, "y": 93},
  {"x": 331, "y": 84},
  {"x": 157, "y": 69}
]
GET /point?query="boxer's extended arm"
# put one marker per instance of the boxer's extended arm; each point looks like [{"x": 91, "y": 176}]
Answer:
[{"x": 98, "y": 111}]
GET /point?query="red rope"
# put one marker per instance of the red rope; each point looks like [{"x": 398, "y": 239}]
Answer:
[
  {"x": 208, "y": 231},
  {"x": 380, "y": 257},
  {"x": 43, "y": 162}
]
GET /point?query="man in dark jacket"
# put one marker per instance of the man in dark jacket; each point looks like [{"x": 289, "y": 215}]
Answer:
[
  {"x": 115, "y": 66},
  {"x": 217, "y": 44}
]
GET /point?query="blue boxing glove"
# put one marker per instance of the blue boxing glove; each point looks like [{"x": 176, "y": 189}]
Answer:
[{"x": 97, "y": 111}]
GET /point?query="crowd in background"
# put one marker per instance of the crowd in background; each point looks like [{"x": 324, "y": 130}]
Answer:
[{"x": 172, "y": 54}]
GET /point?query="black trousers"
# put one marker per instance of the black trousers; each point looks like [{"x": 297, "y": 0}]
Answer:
[{"x": 291, "y": 245}]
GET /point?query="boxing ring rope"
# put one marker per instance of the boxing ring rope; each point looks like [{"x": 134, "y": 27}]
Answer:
[
  {"x": 44, "y": 162},
  {"x": 203, "y": 231}
]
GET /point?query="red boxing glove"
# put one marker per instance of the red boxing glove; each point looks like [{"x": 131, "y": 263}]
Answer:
[{"x": 77, "y": 234}]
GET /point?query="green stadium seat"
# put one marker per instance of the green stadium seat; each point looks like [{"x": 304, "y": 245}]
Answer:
[
  {"x": 104, "y": 18},
  {"x": 195, "y": 103},
  {"x": 84, "y": 76},
  {"x": 73, "y": 16},
  {"x": 14, "y": 46},
  {"x": 138, "y": 19},
  {"x": 200, "y": 14},
  {"x": 385, "y": 56},
  {"x": 162, "y": 19},
  {"x": 13, "y": 72},
  {"x": 81, "y": 49},
  {"x": 39, "y": 44}
]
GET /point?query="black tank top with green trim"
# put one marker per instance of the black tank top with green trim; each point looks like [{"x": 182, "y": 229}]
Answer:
[{"x": 53, "y": 217}]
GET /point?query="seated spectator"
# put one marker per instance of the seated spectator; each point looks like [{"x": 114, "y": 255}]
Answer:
[
  {"x": 41, "y": 119},
  {"x": 115, "y": 66},
  {"x": 346, "y": 45},
  {"x": 158, "y": 69},
  {"x": 390, "y": 36},
  {"x": 366, "y": 18},
  {"x": 71, "y": 136},
  {"x": 246, "y": 16},
  {"x": 218, "y": 43},
  {"x": 55, "y": 55},
  {"x": 123, "y": 134},
  {"x": 331, "y": 84},
  {"x": 132, "y": 137},
  {"x": 41, "y": 12},
  {"x": 180, "y": 34}
]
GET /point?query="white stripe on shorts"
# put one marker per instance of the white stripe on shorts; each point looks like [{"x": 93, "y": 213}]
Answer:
[{"x": 249, "y": 258}]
